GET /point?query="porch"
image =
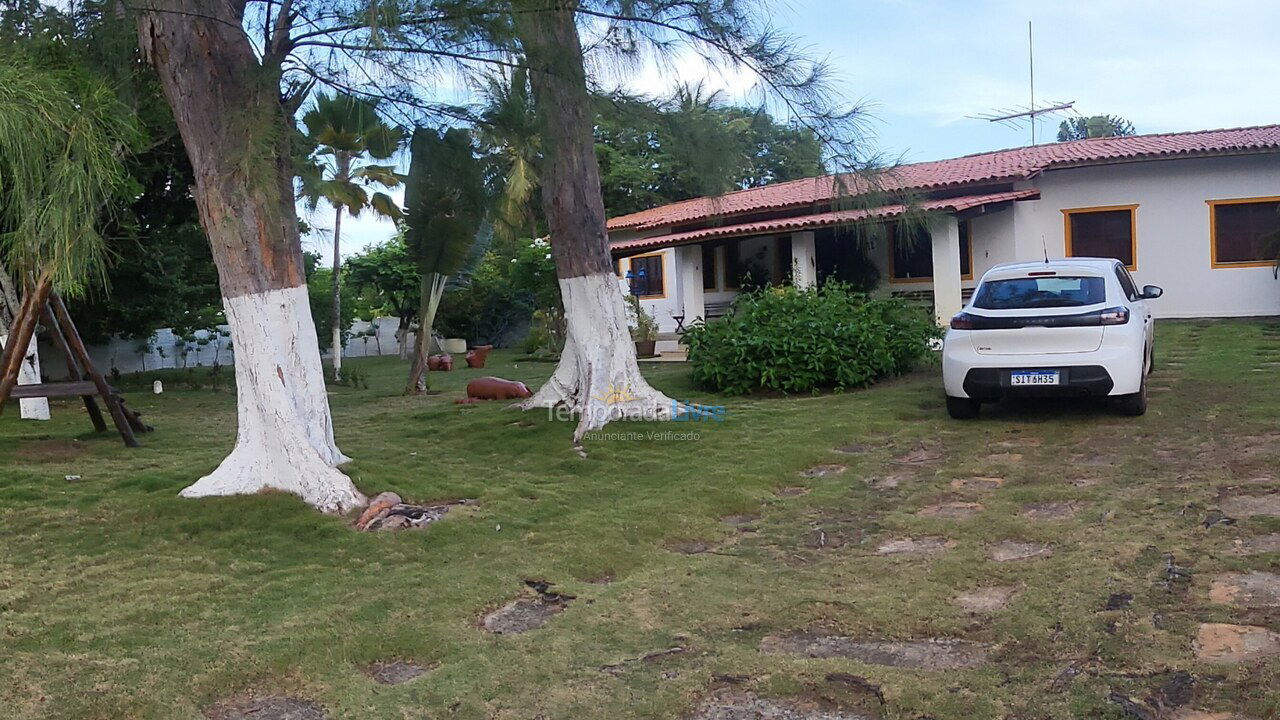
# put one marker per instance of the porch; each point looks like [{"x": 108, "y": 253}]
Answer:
[{"x": 692, "y": 276}]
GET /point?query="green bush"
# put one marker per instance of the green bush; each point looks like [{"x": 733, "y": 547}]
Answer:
[{"x": 808, "y": 340}]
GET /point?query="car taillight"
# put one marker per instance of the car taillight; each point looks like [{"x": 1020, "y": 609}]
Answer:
[
  {"x": 962, "y": 321},
  {"x": 1114, "y": 316}
]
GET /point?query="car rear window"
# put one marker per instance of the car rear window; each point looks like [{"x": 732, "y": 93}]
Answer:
[{"x": 1040, "y": 292}]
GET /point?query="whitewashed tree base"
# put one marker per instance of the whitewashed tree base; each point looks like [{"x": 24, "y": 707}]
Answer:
[
  {"x": 29, "y": 374},
  {"x": 598, "y": 379},
  {"x": 284, "y": 438}
]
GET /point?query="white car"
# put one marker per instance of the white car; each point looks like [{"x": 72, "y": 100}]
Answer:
[{"x": 1075, "y": 327}]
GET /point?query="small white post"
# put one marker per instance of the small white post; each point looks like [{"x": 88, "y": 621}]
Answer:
[
  {"x": 692, "y": 302},
  {"x": 944, "y": 232},
  {"x": 804, "y": 260}
]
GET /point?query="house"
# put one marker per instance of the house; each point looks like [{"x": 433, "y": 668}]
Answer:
[{"x": 1187, "y": 211}]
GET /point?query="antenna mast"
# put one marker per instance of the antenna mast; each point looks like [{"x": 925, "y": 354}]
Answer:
[{"x": 1015, "y": 116}]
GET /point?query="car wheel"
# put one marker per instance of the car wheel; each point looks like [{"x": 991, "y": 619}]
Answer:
[
  {"x": 1135, "y": 404},
  {"x": 962, "y": 408}
]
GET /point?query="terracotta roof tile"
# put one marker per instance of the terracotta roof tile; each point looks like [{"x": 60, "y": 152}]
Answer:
[
  {"x": 809, "y": 222},
  {"x": 998, "y": 166}
]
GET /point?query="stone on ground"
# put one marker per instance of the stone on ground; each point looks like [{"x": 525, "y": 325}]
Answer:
[
  {"x": 270, "y": 707},
  {"x": 524, "y": 614},
  {"x": 985, "y": 599},
  {"x": 1225, "y": 644},
  {"x": 1245, "y": 506},
  {"x": 977, "y": 483},
  {"x": 951, "y": 510},
  {"x": 818, "y": 471},
  {"x": 791, "y": 491},
  {"x": 1010, "y": 550},
  {"x": 1246, "y": 590},
  {"x": 1057, "y": 510},
  {"x": 929, "y": 545},
  {"x": 732, "y": 704},
  {"x": 394, "y": 672},
  {"x": 930, "y": 654}
]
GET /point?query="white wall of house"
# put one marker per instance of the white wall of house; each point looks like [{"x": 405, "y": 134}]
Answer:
[
  {"x": 1173, "y": 245},
  {"x": 1172, "y": 239}
]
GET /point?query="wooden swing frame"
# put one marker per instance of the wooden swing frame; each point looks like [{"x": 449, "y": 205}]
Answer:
[{"x": 42, "y": 304}]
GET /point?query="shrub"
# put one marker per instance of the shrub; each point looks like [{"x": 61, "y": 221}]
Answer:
[{"x": 808, "y": 340}]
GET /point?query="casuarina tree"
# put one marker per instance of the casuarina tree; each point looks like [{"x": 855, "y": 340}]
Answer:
[
  {"x": 445, "y": 200},
  {"x": 344, "y": 130}
]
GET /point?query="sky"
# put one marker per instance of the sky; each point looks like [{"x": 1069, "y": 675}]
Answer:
[{"x": 921, "y": 68}]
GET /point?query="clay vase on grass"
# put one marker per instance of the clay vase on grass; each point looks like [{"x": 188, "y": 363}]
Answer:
[{"x": 477, "y": 355}]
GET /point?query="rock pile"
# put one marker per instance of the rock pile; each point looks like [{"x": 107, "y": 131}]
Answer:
[{"x": 388, "y": 512}]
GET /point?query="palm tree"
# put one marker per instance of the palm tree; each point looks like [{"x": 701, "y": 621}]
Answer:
[
  {"x": 508, "y": 130},
  {"x": 344, "y": 130},
  {"x": 445, "y": 199}
]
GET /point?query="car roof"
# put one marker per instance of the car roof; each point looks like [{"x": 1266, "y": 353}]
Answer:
[{"x": 1087, "y": 266}]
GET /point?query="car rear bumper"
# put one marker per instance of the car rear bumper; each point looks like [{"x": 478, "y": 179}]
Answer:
[
  {"x": 1109, "y": 370},
  {"x": 1073, "y": 380}
]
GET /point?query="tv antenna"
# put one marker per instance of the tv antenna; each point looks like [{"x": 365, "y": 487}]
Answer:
[{"x": 1016, "y": 116}]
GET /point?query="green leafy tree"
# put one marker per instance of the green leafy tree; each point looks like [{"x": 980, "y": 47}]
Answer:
[
  {"x": 445, "y": 200},
  {"x": 1096, "y": 126},
  {"x": 345, "y": 130},
  {"x": 390, "y": 277}
]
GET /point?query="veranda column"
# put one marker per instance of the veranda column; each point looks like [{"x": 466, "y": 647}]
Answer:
[
  {"x": 804, "y": 260},
  {"x": 945, "y": 234},
  {"x": 693, "y": 304}
]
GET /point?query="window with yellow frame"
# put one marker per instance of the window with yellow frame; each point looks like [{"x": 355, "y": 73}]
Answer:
[
  {"x": 646, "y": 276},
  {"x": 1244, "y": 232},
  {"x": 1108, "y": 231}
]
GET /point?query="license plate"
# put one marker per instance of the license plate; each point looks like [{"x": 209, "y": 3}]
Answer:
[{"x": 1033, "y": 377}]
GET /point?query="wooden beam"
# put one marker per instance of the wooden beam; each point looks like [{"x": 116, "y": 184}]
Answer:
[
  {"x": 74, "y": 373},
  {"x": 52, "y": 390},
  {"x": 82, "y": 355},
  {"x": 24, "y": 327}
]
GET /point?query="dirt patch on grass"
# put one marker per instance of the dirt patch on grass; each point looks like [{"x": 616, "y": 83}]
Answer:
[
  {"x": 1245, "y": 506},
  {"x": 690, "y": 547},
  {"x": 744, "y": 523},
  {"x": 1011, "y": 550},
  {"x": 269, "y": 707},
  {"x": 735, "y": 704},
  {"x": 819, "y": 471},
  {"x": 394, "y": 672},
  {"x": 791, "y": 491},
  {"x": 977, "y": 483},
  {"x": 986, "y": 599},
  {"x": 1225, "y": 644},
  {"x": 528, "y": 613},
  {"x": 929, "y": 545},
  {"x": 1058, "y": 510},
  {"x": 50, "y": 450},
  {"x": 950, "y": 510},
  {"x": 1246, "y": 590},
  {"x": 890, "y": 481},
  {"x": 1005, "y": 458},
  {"x": 1256, "y": 545},
  {"x": 928, "y": 654},
  {"x": 922, "y": 455}
]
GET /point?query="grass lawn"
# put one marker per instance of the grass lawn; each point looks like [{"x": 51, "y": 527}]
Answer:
[{"x": 120, "y": 600}]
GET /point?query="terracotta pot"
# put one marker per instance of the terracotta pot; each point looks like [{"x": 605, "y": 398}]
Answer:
[
  {"x": 646, "y": 348},
  {"x": 477, "y": 355}
]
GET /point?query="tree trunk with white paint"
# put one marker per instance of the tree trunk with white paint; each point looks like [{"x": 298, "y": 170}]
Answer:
[
  {"x": 598, "y": 378},
  {"x": 236, "y": 132},
  {"x": 29, "y": 373}
]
